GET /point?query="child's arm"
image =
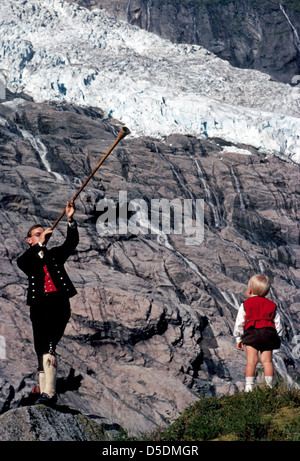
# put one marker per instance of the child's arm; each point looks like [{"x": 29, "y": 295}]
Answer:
[
  {"x": 278, "y": 324},
  {"x": 239, "y": 327}
]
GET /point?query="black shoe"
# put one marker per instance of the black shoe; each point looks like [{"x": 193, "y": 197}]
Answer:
[{"x": 45, "y": 399}]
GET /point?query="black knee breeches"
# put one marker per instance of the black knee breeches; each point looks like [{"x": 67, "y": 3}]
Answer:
[{"x": 49, "y": 318}]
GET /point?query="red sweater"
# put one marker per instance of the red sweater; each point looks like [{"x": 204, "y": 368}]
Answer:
[{"x": 260, "y": 312}]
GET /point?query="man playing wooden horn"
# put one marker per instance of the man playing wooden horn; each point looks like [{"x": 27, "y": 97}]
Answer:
[{"x": 49, "y": 293}]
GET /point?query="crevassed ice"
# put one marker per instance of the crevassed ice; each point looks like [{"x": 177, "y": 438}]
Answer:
[{"x": 55, "y": 50}]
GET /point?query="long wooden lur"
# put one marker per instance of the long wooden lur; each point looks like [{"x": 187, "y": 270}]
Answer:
[{"x": 123, "y": 132}]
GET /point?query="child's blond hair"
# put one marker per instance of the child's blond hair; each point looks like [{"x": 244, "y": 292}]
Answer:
[{"x": 259, "y": 284}]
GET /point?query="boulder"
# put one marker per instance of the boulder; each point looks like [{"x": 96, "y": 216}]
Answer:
[{"x": 44, "y": 424}]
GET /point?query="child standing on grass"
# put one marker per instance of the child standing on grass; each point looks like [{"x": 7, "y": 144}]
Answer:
[{"x": 258, "y": 327}]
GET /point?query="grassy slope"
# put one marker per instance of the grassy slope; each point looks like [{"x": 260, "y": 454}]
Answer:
[{"x": 261, "y": 415}]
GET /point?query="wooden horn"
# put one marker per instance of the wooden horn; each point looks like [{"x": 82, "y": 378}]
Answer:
[{"x": 123, "y": 132}]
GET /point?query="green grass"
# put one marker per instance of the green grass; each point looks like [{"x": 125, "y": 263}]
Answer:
[{"x": 261, "y": 415}]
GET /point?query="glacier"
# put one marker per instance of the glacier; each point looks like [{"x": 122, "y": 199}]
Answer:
[{"x": 57, "y": 51}]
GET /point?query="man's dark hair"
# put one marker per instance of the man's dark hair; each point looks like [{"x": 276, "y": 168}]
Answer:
[{"x": 35, "y": 226}]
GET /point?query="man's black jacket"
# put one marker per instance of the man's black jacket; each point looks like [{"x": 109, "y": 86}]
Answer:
[{"x": 54, "y": 258}]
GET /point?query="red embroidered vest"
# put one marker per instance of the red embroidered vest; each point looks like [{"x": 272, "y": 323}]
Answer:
[
  {"x": 49, "y": 286},
  {"x": 260, "y": 312}
]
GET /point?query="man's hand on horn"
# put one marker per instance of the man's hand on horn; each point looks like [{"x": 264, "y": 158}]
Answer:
[{"x": 70, "y": 210}]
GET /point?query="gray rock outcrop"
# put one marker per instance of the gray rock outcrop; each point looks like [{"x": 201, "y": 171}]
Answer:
[
  {"x": 151, "y": 326},
  {"x": 44, "y": 424}
]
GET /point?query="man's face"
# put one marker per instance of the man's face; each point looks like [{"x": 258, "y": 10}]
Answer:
[{"x": 35, "y": 236}]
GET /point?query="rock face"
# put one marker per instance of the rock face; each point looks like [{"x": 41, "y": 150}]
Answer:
[
  {"x": 40, "y": 423},
  {"x": 152, "y": 323},
  {"x": 249, "y": 34}
]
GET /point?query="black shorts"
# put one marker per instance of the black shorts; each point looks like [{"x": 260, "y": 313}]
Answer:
[
  {"x": 262, "y": 339},
  {"x": 49, "y": 318}
]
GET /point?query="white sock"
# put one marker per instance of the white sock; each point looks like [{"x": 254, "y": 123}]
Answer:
[
  {"x": 42, "y": 381},
  {"x": 269, "y": 381},
  {"x": 249, "y": 383},
  {"x": 50, "y": 369}
]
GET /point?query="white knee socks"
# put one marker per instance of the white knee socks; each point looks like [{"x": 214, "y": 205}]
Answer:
[
  {"x": 249, "y": 383},
  {"x": 42, "y": 381},
  {"x": 50, "y": 369},
  {"x": 269, "y": 381}
]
